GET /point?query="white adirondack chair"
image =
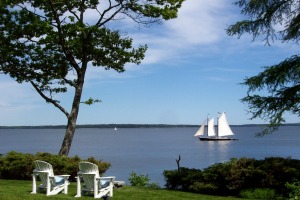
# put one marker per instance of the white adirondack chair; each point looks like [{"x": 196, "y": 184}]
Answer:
[
  {"x": 52, "y": 184},
  {"x": 93, "y": 183}
]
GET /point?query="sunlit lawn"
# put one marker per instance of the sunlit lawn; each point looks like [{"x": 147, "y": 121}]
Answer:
[{"x": 20, "y": 190}]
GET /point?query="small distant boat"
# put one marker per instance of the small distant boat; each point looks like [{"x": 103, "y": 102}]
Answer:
[
  {"x": 224, "y": 131},
  {"x": 115, "y": 129}
]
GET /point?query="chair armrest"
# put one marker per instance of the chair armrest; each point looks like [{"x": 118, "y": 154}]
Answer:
[
  {"x": 65, "y": 175},
  {"x": 38, "y": 171},
  {"x": 80, "y": 173},
  {"x": 111, "y": 178}
]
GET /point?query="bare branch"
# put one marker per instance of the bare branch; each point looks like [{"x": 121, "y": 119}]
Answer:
[
  {"x": 49, "y": 100},
  {"x": 139, "y": 19},
  {"x": 100, "y": 23}
]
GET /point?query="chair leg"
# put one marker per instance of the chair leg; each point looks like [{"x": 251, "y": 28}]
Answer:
[
  {"x": 78, "y": 187},
  {"x": 66, "y": 184},
  {"x": 66, "y": 188},
  {"x": 111, "y": 186},
  {"x": 33, "y": 184},
  {"x": 96, "y": 188},
  {"x": 48, "y": 189}
]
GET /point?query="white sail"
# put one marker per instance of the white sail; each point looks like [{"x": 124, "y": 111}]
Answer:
[
  {"x": 200, "y": 131},
  {"x": 211, "y": 128},
  {"x": 223, "y": 126}
]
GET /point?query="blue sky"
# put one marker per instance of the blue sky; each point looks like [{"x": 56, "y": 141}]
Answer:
[{"x": 191, "y": 68}]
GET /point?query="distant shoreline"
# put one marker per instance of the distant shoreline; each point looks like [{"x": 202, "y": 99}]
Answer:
[{"x": 127, "y": 126}]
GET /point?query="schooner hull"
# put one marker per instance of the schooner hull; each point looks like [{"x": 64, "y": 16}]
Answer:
[{"x": 215, "y": 139}]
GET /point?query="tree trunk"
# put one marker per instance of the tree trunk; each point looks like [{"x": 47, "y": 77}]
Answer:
[
  {"x": 72, "y": 118},
  {"x": 69, "y": 134}
]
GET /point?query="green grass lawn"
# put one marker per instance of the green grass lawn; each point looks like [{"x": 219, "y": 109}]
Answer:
[{"x": 20, "y": 190}]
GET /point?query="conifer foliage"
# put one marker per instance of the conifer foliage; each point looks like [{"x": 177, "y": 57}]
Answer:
[{"x": 272, "y": 20}]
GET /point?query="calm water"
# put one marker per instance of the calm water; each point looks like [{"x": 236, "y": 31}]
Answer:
[{"x": 152, "y": 150}]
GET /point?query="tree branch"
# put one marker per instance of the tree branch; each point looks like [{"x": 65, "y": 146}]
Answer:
[
  {"x": 71, "y": 11},
  {"x": 100, "y": 23},
  {"x": 49, "y": 100},
  {"x": 71, "y": 83},
  {"x": 66, "y": 51}
]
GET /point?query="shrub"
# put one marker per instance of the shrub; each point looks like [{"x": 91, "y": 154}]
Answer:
[
  {"x": 236, "y": 175},
  {"x": 182, "y": 179},
  {"x": 138, "y": 180},
  {"x": 19, "y": 166},
  {"x": 294, "y": 190},
  {"x": 16, "y": 166},
  {"x": 202, "y": 187},
  {"x": 259, "y": 193},
  {"x": 141, "y": 180}
]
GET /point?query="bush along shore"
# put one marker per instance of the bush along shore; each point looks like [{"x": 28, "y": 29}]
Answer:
[
  {"x": 270, "y": 178},
  {"x": 19, "y": 166}
]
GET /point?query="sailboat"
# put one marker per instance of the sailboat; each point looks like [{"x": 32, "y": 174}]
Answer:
[{"x": 223, "y": 133}]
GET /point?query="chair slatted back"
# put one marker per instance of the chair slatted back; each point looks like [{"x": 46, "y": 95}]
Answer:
[
  {"x": 89, "y": 172},
  {"x": 42, "y": 167}
]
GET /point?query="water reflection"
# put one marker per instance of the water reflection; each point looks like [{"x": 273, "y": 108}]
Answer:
[{"x": 216, "y": 151}]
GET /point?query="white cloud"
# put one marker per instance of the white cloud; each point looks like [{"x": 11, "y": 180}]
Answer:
[{"x": 199, "y": 22}]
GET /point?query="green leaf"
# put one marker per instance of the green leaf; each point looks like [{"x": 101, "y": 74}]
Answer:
[{"x": 91, "y": 101}]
